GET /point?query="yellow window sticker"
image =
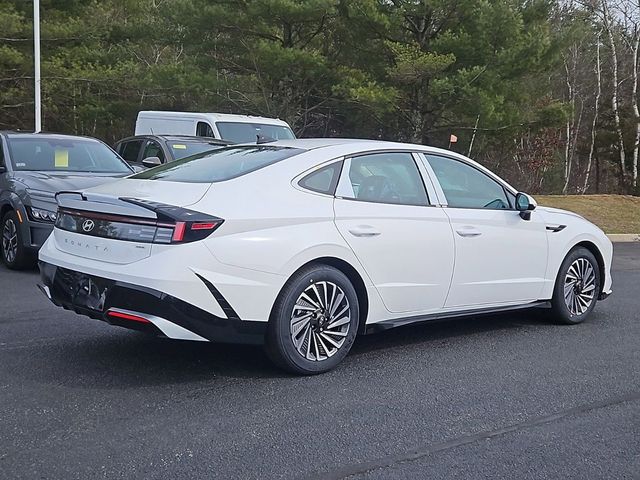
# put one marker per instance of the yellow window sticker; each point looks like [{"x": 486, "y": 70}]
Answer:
[
  {"x": 62, "y": 159},
  {"x": 179, "y": 147}
]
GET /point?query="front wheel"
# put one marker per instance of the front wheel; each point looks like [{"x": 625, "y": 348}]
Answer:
[
  {"x": 577, "y": 287},
  {"x": 14, "y": 255},
  {"x": 314, "y": 321}
]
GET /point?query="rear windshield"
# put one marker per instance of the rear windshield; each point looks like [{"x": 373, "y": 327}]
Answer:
[
  {"x": 40, "y": 153},
  {"x": 186, "y": 149},
  {"x": 219, "y": 165},
  {"x": 239, "y": 132}
]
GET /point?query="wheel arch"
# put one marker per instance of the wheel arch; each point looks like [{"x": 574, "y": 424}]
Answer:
[
  {"x": 354, "y": 277},
  {"x": 593, "y": 248}
]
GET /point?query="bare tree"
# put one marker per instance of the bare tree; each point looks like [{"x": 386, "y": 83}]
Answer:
[
  {"x": 608, "y": 25},
  {"x": 596, "y": 107}
]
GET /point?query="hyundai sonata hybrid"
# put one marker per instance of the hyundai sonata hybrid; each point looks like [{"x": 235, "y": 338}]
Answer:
[{"x": 303, "y": 244}]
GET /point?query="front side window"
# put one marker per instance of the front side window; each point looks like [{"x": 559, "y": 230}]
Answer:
[
  {"x": 384, "y": 178},
  {"x": 219, "y": 165},
  {"x": 467, "y": 187},
  {"x": 59, "y": 154},
  {"x": 240, "y": 132},
  {"x": 153, "y": 149},
  {"x": 323, "y": 180}
]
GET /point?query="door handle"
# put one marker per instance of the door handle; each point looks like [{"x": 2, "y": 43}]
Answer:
[
  {"x": 364, "y": 231},
  {"x": 468, "y": 232}
]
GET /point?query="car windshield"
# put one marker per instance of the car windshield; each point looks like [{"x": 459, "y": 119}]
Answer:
[
  {"x": 57, "y": 154},
  {"x": 187, "y": 149},
  {"x": 219, "y": 165},
  {"x": 239, "y": 132}
]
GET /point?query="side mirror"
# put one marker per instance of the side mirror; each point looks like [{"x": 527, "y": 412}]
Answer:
[
  {"x": 151, "y": 162},
  {"x": 3, "y": 169},
  {"x": 525, "y": 204}
]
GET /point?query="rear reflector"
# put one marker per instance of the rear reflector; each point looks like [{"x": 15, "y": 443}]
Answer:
[{"x": 127, "y": 316}]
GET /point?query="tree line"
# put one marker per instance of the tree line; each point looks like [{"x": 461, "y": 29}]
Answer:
[{"x": 542, "y": 91}]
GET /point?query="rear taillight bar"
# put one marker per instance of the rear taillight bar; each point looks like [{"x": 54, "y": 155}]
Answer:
[{"x": 172, "y": 225}]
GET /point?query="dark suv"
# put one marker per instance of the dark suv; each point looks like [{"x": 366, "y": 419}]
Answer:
[
  {"x": 33, "y": 167},
  {"x": 151, "y": 150}
]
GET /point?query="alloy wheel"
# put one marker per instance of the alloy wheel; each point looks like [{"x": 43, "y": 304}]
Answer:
[
  {"x": 320, "y": 321},
  {"x": 579, "y": 286},
  {"x": 10, "y": 240}
]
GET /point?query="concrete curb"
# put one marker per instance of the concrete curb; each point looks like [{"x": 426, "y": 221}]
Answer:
[{"x": 624, "y": 237}]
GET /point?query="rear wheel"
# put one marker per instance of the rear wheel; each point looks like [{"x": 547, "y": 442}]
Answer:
[
  {"x": 14, "y": 255},
  {"x": 314, "y": 321},
  {"x": 577, "y": 287}
]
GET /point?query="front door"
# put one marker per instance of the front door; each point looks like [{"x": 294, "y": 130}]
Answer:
[
  {"x": 403, "y": 242},
  {"x": 500, "y": 258}
]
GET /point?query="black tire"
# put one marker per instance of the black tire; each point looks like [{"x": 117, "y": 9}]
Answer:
[
  {"x": 14, "y": 255},
  {"x": 280, "y": 345},
  {"x": 561, "y": 311}
]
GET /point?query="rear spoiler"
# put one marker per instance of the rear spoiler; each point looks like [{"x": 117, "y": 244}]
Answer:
[{"x": 95, "y": 202}]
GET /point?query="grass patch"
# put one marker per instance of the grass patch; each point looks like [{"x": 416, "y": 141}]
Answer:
[{"x": 612, "y": 213}]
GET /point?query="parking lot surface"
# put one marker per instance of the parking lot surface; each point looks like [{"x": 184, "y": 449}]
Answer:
[{"x": 502, "y": 396}]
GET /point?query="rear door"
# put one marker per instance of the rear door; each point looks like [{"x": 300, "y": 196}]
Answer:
[
  {"x": 403, "y": 241},
  {"x": 500, "y": 258}
]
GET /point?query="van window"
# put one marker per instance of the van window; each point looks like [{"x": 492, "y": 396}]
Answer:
[{"x": 203, "y": 129}]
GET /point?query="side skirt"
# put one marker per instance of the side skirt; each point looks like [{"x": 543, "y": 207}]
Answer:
[{"x": 431, "y": 317}]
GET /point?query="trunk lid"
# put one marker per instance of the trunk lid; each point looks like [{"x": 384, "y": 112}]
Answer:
[{"x": 120, "y": 223}]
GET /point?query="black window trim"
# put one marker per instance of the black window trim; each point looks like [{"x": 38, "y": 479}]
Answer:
[
  {"x": 334, "y": 184},
  {"x": 492, "y": 176},
  {"x": 412, "y": 153}
]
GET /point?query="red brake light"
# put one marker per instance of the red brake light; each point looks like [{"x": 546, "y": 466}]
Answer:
[
  {"x": 203, "y": 226},
  {"x": 178, "y": 232}
]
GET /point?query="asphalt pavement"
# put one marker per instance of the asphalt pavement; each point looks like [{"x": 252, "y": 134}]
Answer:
[{"x": 501, "y": 396}]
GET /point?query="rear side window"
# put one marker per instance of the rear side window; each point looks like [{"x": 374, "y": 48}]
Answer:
[
  {"x": 384, "y": 178},
  {"x": 219, "y": 165},
  {"x": 323, "y": 180},
  {"x": 130, "y": 150},
  {"x": 203, "y": 129}
]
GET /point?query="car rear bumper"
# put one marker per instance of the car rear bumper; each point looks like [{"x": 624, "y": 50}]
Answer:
[{"x": 142, "y": 308}]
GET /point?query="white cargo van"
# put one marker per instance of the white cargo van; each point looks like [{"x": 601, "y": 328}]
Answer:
[{"x": 234, "y": 128}]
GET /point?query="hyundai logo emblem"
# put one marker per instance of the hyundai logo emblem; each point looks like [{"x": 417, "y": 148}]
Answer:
[{"x": 88, "y": 225}]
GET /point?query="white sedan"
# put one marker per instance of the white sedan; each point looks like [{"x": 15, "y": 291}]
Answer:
[{"x": 303, "y": 244}]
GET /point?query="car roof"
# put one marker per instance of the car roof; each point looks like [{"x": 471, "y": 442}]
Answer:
[
  {"x": 61, "y": 136},
  {"x": 215, "y": 116}
]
